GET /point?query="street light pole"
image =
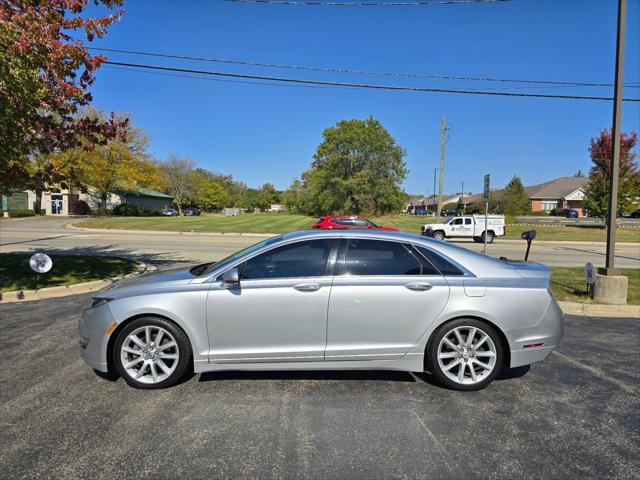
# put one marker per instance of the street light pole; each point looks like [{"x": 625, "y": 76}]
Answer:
[{"x": 614, "y": 172}]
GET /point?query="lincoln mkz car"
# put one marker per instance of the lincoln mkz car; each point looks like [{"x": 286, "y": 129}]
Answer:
[{"x": 327, "y": 300}]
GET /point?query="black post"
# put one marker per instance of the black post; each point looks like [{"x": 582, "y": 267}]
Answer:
[{"x": 615, "y": 150}]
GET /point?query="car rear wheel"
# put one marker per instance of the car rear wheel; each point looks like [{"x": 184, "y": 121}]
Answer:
[
  {"x": 465, "y": 354},
  {"x": 489, "y": 236},
  {"x": 152, "y": 352},
  {"x": 477, "y": 239},
  {"x": 438, "y": 235}
]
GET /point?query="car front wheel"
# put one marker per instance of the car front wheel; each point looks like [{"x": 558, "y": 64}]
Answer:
[
  {"x": 465, "y": 354},
  {"x": 151, "y": 352}
]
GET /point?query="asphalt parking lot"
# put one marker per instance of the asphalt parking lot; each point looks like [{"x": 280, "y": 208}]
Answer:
[{"x": 577, "y": 415}]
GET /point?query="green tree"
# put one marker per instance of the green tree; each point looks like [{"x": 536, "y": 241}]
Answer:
[
  {"x": 119, "y": 164},
  {"x": 597, "y": 190},
  {"x": 178, "y": 172},
  {"x": 579, "y": 173},
  {"x": 212, "y": 196},
  {"x": 514, "y": 198},
  {"x": 358, "y": 168}
]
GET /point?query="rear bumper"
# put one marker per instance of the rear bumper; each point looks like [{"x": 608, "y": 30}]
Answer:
[{"x": 548, "y": 333}]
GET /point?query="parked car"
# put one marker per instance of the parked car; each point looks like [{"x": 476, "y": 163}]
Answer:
[
  {"x": 570, "y": 213},
  {"x": 330, "y": 300},
  {"x": 170, "y": 212},
  {"x": 470, "y": 226},
  {"x": 635, "y": 214},
  {"x": 557, "y": 212},
  {"x": 192, "y": 212},
  {"x": 422, "y": 211},
  {"x": 348, "y": 222},
  {"x": 450, "y": 212}
]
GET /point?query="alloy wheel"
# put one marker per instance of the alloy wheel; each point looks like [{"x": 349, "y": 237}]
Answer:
[
  {"x": 466, "y": 355},
  {"x": 149, "y": 354}
]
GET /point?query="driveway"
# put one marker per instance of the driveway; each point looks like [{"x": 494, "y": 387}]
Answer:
[
  {"x": 49, "y": 235},
  {"x": 576, "y": 415}
]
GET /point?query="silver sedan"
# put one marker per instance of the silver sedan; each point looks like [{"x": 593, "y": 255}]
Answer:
[{"x": 328, "y": 300}]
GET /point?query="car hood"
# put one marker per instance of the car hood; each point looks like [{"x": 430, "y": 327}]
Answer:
[{"x": 165, "y": 278}]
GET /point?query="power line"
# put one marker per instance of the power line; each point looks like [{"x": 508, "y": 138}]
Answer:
[
  {"x": 360, "y": 85},
  {"x": 419, "y": 3},
  {"x": 224, "y": 80},
  {"x": 354, "y": 71}
]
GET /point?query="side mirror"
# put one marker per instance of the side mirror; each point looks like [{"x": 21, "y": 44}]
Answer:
[{"x": 231, "y": 276}]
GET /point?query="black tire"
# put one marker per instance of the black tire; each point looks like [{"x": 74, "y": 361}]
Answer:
[
  {"x": 477, "y": 239},
  {"x": 489, "y": 235},
  {"x": 438, "y": 235},
  {"x": 185, "y": 356},
  {"x": 431, "y": 356}
]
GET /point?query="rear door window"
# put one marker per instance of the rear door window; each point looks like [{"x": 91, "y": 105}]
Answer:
[{"x": 376, "y": 257}]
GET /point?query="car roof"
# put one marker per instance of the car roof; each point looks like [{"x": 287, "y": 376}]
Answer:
[{"x": 479, "y": 264}]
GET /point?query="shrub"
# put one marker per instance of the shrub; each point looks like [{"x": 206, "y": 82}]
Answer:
[
  {"x": 126, "y": 210},
  {"x": 150, "y": 212},
  {"x": 81, "y": 208},
  {"x": 22, "y": 213}
]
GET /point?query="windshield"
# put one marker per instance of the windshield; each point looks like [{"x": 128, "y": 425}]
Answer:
[
  {"x": 210, "y": 267},
  {"x": 449, "y": 221}
]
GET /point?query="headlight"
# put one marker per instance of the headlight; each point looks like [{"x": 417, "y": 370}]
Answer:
[{"x": 96, "y": 302}]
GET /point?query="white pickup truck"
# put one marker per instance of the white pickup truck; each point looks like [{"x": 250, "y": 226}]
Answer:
[{"x": 471, "y": 226}]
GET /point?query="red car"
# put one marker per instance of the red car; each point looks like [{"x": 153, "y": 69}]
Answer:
[{"x": 330, "y": 221}]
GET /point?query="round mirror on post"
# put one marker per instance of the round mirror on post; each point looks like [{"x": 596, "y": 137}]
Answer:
[{"x": 40, "y": 262}]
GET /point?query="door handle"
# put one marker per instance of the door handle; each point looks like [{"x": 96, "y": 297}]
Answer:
[
  {"x": 420, "y": 287},
  {"x": 307, "y": 287}
]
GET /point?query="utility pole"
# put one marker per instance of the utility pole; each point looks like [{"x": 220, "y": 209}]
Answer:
[
  {"x": 615, "y": 151},
  {"x": 443, "y": 141},
  {"x": 610, "y": 286},
  {"x": 464, "y": 205},
  {"x": 434, "y": 187}
]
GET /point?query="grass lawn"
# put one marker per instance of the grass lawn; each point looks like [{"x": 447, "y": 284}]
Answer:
[
  {"x": 283, "y": 223},
  {"x": 15, "y": 273},
  {"x": 567, "y": 283}
]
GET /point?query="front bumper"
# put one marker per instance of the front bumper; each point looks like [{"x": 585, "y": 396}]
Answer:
[{"x": 93, "y": 336}]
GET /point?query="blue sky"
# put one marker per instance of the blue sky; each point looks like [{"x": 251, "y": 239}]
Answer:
[{"x": 262, "y": 133}]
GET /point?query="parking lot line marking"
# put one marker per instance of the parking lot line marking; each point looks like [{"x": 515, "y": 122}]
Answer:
[
  {"x": 595, "y": 371},
  {"x": 433, "y": 438}
]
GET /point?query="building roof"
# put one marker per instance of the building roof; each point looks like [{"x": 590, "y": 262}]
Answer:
[
  {"x": 557, "y": 188},
  {"x": 143, "y": 192}
]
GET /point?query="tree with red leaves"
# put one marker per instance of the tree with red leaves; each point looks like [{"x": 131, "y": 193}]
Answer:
[
  {"x": 597, "y": 191},
  {"x": 45, "y": 74}
]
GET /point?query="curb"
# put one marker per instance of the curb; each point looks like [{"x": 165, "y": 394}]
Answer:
[
  {"x": 599, "y": 310},
  {"x": 71, "y": 226},
  {"x": 66, "y": 290}
]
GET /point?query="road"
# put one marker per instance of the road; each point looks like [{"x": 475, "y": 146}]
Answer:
[
  {"x": 576, "y": 415},
  {"x": 50, "y": 235}
]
